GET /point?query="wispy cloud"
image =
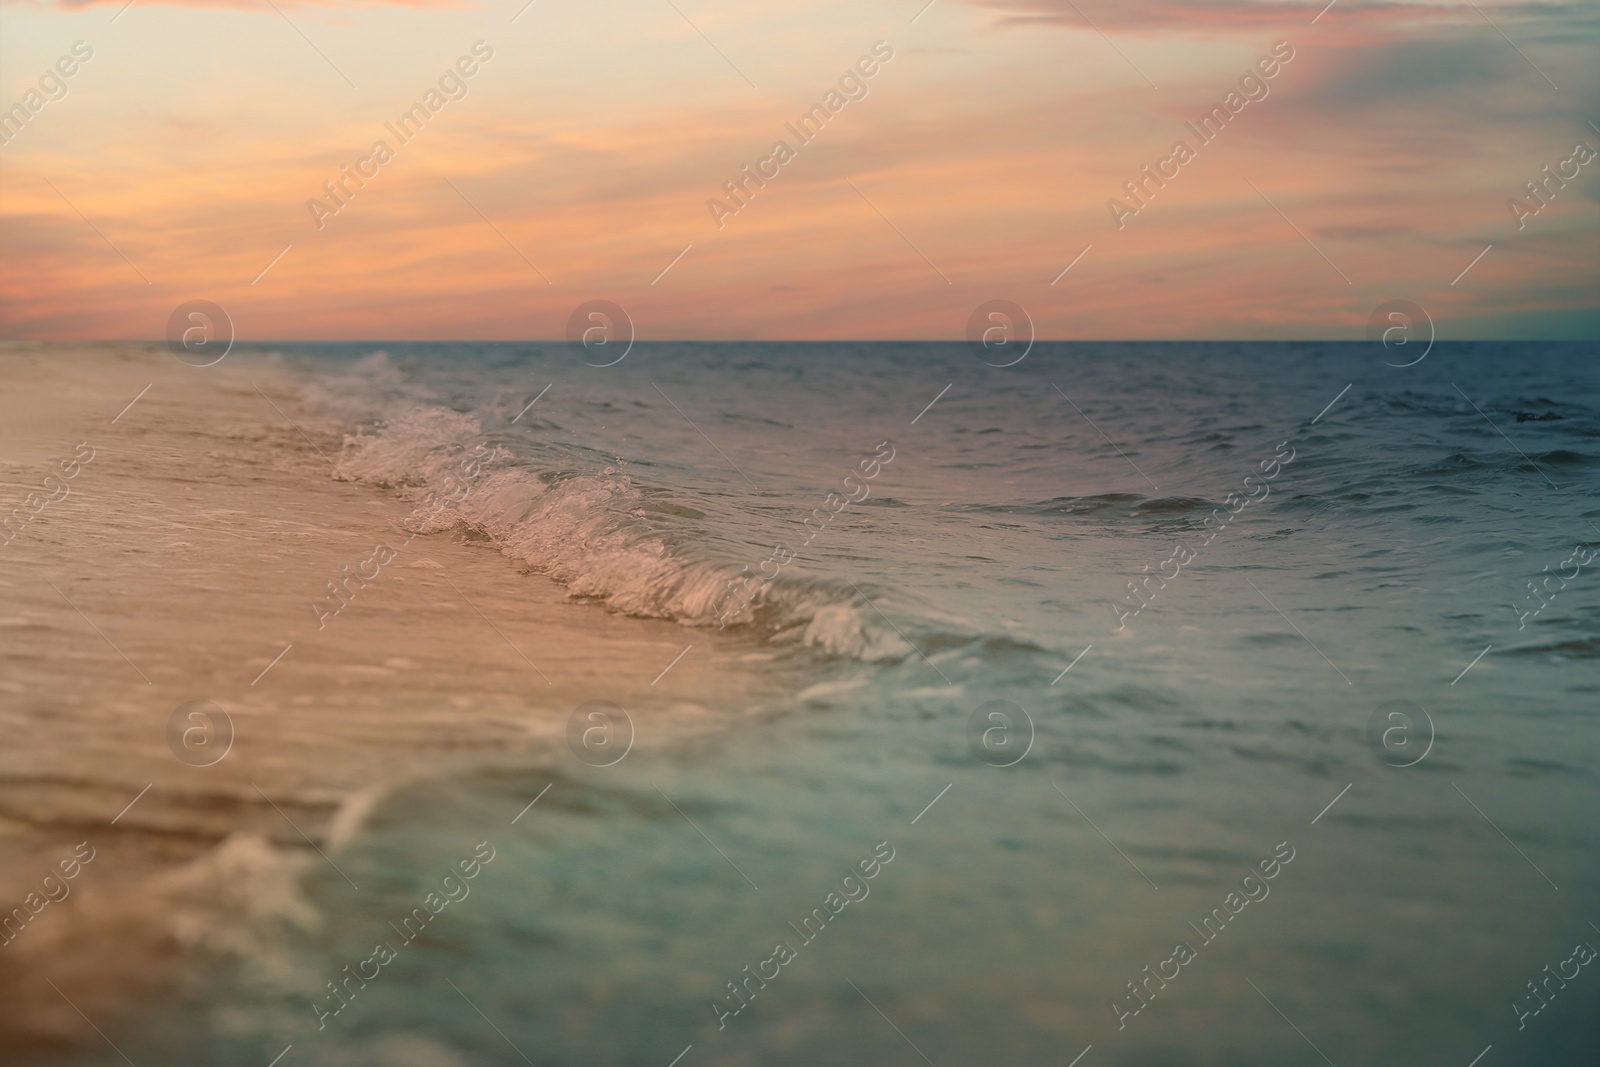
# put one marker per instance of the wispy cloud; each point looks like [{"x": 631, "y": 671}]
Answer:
[{"x": 1211, "y": 18}]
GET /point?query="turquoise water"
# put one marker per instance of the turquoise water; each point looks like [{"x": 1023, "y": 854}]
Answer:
[{"x": 1379, "y": 548}]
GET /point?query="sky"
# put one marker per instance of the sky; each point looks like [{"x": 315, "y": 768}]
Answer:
[{"x": 585, "y": 158}]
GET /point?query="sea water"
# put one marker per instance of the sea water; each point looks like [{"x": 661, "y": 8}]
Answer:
[{"x": 1201, "y": 579}]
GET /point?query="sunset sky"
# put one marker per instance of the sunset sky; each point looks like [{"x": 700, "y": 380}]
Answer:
[{"x": 979, "y": 164}]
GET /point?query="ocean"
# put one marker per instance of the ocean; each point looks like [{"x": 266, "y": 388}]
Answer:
[{"x": 1145, "y": 703}]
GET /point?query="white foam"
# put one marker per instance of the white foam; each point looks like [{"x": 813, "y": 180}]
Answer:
[{"x": 594, "y": 532}]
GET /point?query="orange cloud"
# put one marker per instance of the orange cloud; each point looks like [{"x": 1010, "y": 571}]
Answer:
[
  {"x": 255, "y": 5},
  {"x": 968, "y": 174}
]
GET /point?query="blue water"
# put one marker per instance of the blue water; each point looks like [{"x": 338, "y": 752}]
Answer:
[{"x": 1397, "y": 521}]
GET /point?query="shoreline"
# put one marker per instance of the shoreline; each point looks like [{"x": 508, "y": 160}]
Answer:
[{"x": 184, "y": 561}]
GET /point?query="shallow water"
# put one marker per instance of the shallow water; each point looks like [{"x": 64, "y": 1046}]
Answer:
[{"x": 1166, "y": 752}]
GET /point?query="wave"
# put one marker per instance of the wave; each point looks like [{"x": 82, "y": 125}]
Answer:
[
  {"x": 611, "y": 540},
  {"x": 1130, "y": 504}
]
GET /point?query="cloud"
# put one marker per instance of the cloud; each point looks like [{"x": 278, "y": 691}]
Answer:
[
  {"x": 1393, "y": 147},
  {"x": 256, "y": 5},
  {"x": 1465, "y": 75},
  {"x": 1212, "y": 18}
]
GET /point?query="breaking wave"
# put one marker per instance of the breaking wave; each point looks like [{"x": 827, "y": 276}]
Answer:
[{"x": 637, "y": 549}]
